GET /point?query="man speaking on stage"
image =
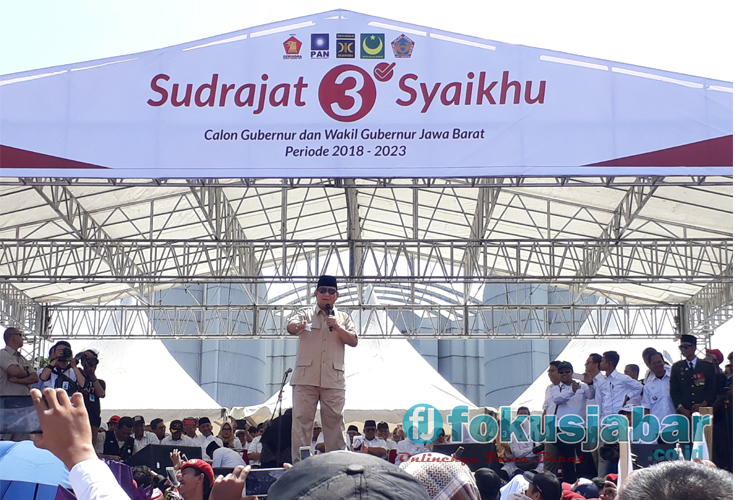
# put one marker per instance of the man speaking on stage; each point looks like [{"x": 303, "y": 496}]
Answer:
[{"x": 319, "y": 375}]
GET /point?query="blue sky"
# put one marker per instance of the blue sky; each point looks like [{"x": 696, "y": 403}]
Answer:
[{"x": 686, "y": 37}]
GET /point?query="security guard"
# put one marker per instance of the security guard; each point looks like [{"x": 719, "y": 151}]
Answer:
[{"x": 693, "y": 382}]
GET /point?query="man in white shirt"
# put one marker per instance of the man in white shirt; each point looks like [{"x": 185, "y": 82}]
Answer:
[
  {"x": 224, "y": 457},
  {"x": 370, "y": 443},
  {"x": 656, "y": 396},
  {"x": 647, "y": 353},
  {"x": 202, "y": 440},
  {"x": 633, "y": 397},
  {"x": 550, "y": 409},
  {"x": 317, "y": 439},
  {"x": 142, "y": 437},
  {"x": 592, "y": 378},
  {"x": 521, "y": 452},
  {"x": 158, "y": 429},
  {"x": 99, "y": 442},
  {"x": 615, "y": 387},
  {"x": 610, "y": 394},
  {"x": 570, "y": 399},
  {"x": 255, "y": 448},
  {"x": 178, "y": 438},
  {"x": 190, "y": 428},
  {"x": 62, "y": 371},
  {"x": 406, "y": 449},
  {"x": 384, "y": 434}
]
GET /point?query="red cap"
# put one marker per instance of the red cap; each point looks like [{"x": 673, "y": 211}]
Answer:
[
  {"x": 115, "y": 419},
  {"x": 717, "y": 354},
  {"x": 201, "y": 465}
]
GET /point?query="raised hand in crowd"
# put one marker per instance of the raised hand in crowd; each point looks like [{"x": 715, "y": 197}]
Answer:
[
  {"x": 175, "y": 456},
  {"x": 231, "y": 486},
  {"x": 67, "y": 433}
]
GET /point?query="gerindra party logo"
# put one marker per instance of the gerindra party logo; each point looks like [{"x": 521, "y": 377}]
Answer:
[{"x": 347, "y": 93}]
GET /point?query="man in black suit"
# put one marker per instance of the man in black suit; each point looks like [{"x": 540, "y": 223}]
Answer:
[{"x": 693, "y": 381}]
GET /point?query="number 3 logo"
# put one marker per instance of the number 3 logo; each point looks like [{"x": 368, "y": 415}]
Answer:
[{"x": 347, "y": 93}]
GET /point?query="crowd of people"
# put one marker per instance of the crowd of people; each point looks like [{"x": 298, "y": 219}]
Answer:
[
  {"x": 345, "y": 475},
  {"x": 683, "y": 388}
]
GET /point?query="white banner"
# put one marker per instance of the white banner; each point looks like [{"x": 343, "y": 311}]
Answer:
[{"x": 342, "y": 94}]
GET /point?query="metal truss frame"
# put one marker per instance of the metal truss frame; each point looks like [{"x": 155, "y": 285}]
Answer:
[
  {"x": 468, "y": 321},
  {"x": 19, "y": 310},
  {"x": 416, "y": 233},
  {"x": 85, "y": 227},
  {"x": 383, "y": 182},
  {"x": 566, "y": 262},
  {"x": 708, "y": 308}
]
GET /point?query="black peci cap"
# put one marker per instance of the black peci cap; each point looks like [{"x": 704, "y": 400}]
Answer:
[
  {"x": 689, "y": 338},
  {"x": 327, "y": 281}
]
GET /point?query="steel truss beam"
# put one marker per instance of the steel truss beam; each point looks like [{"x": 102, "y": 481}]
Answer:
[
  {"x": 487, "y": 198},
  {"x": 420, "y": 321},
  {"x": 84, "y": 227},
  {"x": 709, "y": 308},
  {"x": 224, "y": 226},
  {"x": 423, "y": 183},
  {"x": 623, "y": 216},
  {"x": 19, "y": 310},
  {"x": 693, "y": 261}
]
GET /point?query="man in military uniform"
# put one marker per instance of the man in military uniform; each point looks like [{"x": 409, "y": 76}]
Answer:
[
  {"x": 693, "y": 382},
  {"x": 319, "y": 376}
]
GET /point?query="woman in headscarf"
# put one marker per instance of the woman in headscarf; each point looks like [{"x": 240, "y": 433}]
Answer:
[
  {"x": 228, "y": 437},
  {"x": 444, "y": 477}
]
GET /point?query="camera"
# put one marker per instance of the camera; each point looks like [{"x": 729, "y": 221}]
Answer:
[
  {"x": 91, "y": 361},
  {"x": 66, "y": 354}
]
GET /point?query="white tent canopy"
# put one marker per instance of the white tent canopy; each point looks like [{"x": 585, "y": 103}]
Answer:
[
  {"x": 630, "y": 351},
  {"x": 144, "y": 379},
  {"x": 384, "y": 378}
]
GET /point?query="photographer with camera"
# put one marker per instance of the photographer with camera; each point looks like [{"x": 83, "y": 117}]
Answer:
[
  {"x": 93, "y": 388},
  {"x": 62, "y": 371}
]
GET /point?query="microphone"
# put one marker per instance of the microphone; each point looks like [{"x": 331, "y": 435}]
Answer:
[
  {"x": 285, "y": 376},
  {"x": 328, "y": 310}
]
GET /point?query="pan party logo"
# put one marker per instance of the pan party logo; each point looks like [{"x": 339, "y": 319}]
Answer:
[
  {"x": 402, "y": 47},
  {"x": 320, "y": 46},
  {"x": 372, "y": 46}
]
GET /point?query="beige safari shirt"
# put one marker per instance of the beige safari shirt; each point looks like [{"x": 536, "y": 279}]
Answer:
[
  {"x": 9, "y": 357},
  {"x": 320, "y": 359}
]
